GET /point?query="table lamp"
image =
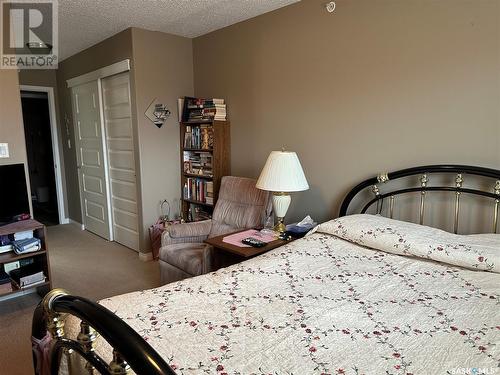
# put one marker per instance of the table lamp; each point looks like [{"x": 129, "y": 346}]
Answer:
[{"x": 281, "y": 175}]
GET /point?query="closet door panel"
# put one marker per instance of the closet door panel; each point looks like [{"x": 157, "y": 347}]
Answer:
[
  {"x": 91, "y": 160},
  {"x": 121, "y": 159}
]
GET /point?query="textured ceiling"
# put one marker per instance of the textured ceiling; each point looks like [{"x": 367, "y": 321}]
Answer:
[{"x": 83, "y": 23}]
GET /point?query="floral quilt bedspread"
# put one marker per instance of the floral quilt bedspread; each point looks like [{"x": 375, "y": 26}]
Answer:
[{"x": 323, "y": 305}]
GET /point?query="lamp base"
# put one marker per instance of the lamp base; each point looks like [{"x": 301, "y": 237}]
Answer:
[
  {"x": 280, "y": 227},
  {"x": 281, "y": 201}
]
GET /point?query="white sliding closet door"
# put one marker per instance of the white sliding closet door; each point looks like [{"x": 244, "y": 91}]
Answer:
[
  {"x": 91, "y": 159},
  {"x": 121, "y": 161}
]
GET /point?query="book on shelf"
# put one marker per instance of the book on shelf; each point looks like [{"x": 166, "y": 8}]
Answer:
[
  {"x": 196, "y": 189},
  {"x": 197, "y": 213},
  {"x": 27, "y": 245},
  {"x": 4, "y": 276},
  {"x": 6, "y": 248},
  {"x": 199, "y": 137},
  {"x": 23, "y": 235},
  {"x": 28, "y": 275},
  {"x": 199, "y": 109},
  {"x": 199, "y": 163}
]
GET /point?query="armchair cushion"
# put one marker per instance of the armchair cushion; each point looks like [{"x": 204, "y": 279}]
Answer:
[
  {"x": 192, "y": 258},
  {"x": 198, "y": 228},
  {"x": 240, "y": 205},
  {"x": 186, "y": 233}
]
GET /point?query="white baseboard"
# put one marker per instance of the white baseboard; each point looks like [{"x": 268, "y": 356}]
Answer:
[
  {"x": 146, "y": 257},
  {"x": 71, "y": 221}
]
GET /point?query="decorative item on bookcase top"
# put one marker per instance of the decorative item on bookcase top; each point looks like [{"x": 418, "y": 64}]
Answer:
[
  {"x": 157, "y": 112},
  {"x": 200, "y": 110}
]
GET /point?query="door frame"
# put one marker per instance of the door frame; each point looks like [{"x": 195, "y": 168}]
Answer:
[{"x": 56, "y": 150}]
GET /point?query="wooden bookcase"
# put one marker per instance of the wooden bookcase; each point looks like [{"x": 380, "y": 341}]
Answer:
[
  {"x": 220, "y": 153},
  {"x": 41, "y": 256}
]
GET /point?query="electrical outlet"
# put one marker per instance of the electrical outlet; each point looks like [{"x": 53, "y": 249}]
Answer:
[{"x": 4, "y": 150}]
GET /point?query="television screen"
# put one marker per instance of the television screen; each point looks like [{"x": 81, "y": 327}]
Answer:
[{"x": 13, "y": 192}]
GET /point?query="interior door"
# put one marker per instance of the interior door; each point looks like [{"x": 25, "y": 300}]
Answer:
[
  {"x": 91, "y": 159},
  {"x": 121, "y": 160}
]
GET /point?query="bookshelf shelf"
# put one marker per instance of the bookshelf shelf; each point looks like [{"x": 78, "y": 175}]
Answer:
[
  {"x": 198, "y": 176},
  {"x": 21, "y": 289},
  {"x": 41, "y": 257},
  {"x": 12, "y": 256},
  {"x": 197, "y": 202},
  {"x": 197, "y": 122},
  {"x": 199, "y": 149},
  {"x": 194, "y": 158}
]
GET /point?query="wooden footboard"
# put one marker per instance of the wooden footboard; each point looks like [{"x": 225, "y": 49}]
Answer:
[{"x": 130, "y": 351}]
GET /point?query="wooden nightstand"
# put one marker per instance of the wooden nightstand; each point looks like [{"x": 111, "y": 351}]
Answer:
[{"x": 226, "y": 254}]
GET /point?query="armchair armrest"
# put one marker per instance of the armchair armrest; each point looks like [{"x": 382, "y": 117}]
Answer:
[{"x": 188, "y": 232}]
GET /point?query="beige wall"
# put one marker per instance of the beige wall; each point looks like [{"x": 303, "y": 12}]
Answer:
[
  {"x": 376, "y": 86},
  {"x": 38, "y": 77},
  {"x": 11, "y": 122},
  {"x": 163, "y": 69},
  {"x": 107, "y": 52},
  {"x": 11, "y": 118}
]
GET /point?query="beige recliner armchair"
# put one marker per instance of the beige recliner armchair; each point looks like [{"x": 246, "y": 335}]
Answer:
[{"x": 183, "y": 254}]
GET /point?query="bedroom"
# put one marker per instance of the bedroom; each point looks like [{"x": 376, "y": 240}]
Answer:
[{"x": 374, "y": 86}]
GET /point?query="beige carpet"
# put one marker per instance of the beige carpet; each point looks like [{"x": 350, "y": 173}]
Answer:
[{"x": 84, "y": 265}]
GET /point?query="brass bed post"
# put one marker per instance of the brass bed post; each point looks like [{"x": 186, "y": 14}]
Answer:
[
  {"x": 87, "y": 338},
  {"x": 55, "y": 324},
  {"x": 458, "y": 183},
  {"x": 391, "y": 206},
  {"x": 423, "y": 183},
  {"x": 382, "y": 178},
  {"x": 118, "y": 365},
  {"x": 497, "y": 202},
  {"x": 376, "y": 191}
]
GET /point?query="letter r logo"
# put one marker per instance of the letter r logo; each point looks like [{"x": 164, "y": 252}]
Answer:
[{"x": 28, "y": 28}]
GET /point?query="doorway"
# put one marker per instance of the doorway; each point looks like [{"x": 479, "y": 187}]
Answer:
[{"x": 42, "y": 155}]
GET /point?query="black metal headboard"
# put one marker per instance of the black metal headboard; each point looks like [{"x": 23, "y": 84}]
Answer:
[{"x": 423, "y": 173}]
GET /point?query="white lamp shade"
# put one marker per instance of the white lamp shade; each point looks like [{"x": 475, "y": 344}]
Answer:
[{"x": 282, "y": 173}]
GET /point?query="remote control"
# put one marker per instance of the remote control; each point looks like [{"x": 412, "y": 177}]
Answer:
[{"x": 254, "y": 242}]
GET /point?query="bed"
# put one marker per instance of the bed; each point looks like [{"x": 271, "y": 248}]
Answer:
[{"x": 361, "y": 294}]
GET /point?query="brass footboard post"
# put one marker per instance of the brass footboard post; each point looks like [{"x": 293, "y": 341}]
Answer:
[
  {"x": 118, "y": 365},
  {"x": 458, "y": 183},
  {"x": 55, "y": 322},
  {"x": 497, "y": 203},
  {"x": 87, "y": 338},
  {"x": 381, "y": 179},
  {"x": 423, "y": 183}
]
